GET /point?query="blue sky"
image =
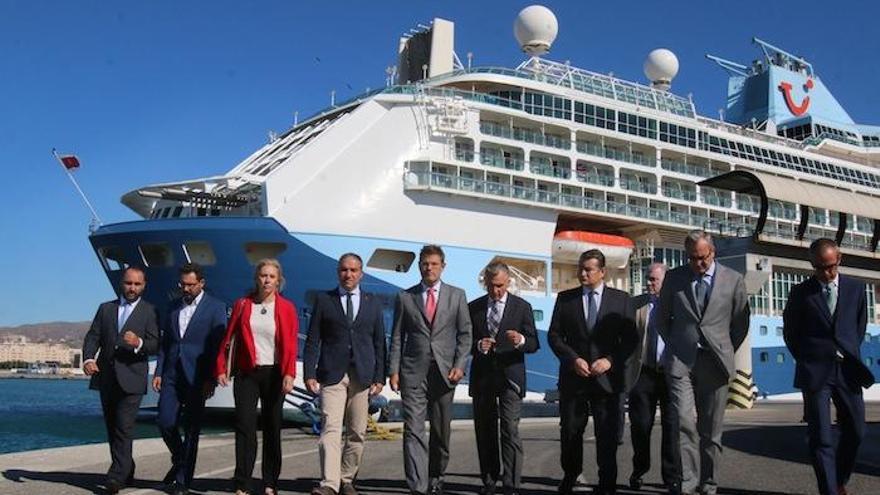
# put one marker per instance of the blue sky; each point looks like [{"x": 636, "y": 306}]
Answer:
[{"x": 147, "y": 92}]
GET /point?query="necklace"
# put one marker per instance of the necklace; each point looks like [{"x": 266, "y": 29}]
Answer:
[{"x": 263, "y": 310}]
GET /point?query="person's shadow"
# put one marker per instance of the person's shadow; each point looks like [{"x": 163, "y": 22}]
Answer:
[{"x": 93, "y": 482}]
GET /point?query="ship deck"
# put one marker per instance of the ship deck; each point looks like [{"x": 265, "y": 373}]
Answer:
[{"x": 765, "y": 453}]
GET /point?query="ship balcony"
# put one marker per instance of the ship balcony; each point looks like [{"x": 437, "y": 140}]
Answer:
[
  {"x": 558, "y": 167},
  {"x": 612, "y": 153},
  {"x": 502, "y": 157},
  {"x": 417, "y": 178},
  {"x": 525, "y": 135},
  {"x": 687, "y": 168}
]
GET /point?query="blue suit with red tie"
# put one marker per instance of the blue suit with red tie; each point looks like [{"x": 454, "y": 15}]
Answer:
[
  {"x": 185, "y": 364},
  {"x": 826, "y": 345}
]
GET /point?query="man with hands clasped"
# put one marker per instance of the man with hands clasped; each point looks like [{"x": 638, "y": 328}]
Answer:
[
  {"x": 503, "y": 332},
  {"x": 593, "y": 333}
]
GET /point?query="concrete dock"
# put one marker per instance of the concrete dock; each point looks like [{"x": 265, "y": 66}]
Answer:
[{"x": 765, "y": 452}]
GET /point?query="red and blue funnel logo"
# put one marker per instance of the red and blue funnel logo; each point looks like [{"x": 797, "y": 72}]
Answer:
[{"x": 796, "y": 109}]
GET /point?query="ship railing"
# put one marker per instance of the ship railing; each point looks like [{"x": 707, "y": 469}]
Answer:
[
  {"x": 442, "y": 181},
  {"x": 817, "y": 139},
  {"x": 686, "y": 168},
  {"x": 525, "y": 135},
  {"x": 612, "y": 153}
]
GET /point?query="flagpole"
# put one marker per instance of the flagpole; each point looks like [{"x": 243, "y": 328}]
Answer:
[{"x": 96, "y": 220}]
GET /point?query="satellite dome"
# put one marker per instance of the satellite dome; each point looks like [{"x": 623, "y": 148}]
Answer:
[
  {"x": 535, "y": 29},
  {"x": 661, "y": 67}
]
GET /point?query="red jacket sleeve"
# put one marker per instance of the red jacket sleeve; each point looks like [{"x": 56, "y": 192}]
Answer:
[{"x": 290, "y": 329}]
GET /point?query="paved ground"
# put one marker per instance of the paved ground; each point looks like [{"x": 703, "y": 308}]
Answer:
[{"x": 765, "y": 453}]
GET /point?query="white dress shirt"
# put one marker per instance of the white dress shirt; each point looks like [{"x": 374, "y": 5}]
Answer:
[
  {"x": 502, "y": 304},
  {"x": 585, "y": 298},
  {"x": 355, "y": 300},
  {"x": 187, "y": 312},
  {"x": 436, "y": 287},
  {"x": 122, "y": 303},
  {"x": 661, "y": 345},
  {"x": 263, "y": 328}
]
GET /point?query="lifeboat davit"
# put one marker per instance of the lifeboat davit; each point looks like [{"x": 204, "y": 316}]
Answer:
[{"x": 569, "y": 244}]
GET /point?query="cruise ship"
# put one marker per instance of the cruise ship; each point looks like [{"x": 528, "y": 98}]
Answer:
[{"x": 531, "y": 165}]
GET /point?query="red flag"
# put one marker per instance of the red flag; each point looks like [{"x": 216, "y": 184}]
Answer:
[{"x": 70, "y": 162}]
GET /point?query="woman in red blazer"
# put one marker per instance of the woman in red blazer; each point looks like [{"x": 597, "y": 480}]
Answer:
[{"x": 262, "y": 338}]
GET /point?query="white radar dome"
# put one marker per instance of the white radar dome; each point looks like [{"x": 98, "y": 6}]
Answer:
[
  {"x": 535, "y": 29},
  {"x": 661, "y": 67}
]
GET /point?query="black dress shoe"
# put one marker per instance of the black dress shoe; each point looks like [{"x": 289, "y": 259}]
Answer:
[
  {"x": 566, "y": 486},
  {"x": 179, "y": 490},
  {"x": 170, "y": 476},
  {"x": 635, "y": 482},
  {"x": 487, "y": 490},
  {"x": 436, "y": 487},
  {"x": 113, "y": 486}
]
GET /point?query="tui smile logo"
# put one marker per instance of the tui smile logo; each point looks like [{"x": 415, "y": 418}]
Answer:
[{"x": 795, "y": 109}]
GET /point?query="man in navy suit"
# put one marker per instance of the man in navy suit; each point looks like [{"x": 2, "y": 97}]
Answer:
[
  {"x": 344, "y": 362},
  {"x": 825, "y": 323},
  {"x": 124, "y": 332},
  {"x": 183, "y": 377},
  {"x": 503, "y": 333},
  {"x": 593, "y": 333}
]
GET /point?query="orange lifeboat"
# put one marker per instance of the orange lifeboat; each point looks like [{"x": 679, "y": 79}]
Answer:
[{"x": 569, "y": 244}]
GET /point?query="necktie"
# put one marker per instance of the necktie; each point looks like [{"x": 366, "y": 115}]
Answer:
[
  {"x": 431, "y": 305},
  {"x": 126, "y": 312},
  {"x": 700, "y": 291},
  {"x": 349, "y": 308},
  {"x": 494, "y": 321},
  {"x": 651, "y": 344},
  {"x": 592, "y": 310},
  {"x": 831, "y": 297}
]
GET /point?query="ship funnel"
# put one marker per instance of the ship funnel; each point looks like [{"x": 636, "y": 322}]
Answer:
[
  {"x": 661, "y": 67},
  {"x": 535, "y": 29}
]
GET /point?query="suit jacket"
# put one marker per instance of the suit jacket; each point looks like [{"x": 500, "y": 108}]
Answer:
[
  {"x": 334, "y": 345},
  {"x": 634, "y": 365},
  {"x": 415, "y": 342},
  {"x": 613, "y": 337},
  {"x": 117, "y": 360},
  {"x": 504, "y": 359},
  {"x": 814, "y": 335},
  {"x": 196, "y": 352},
  {"x": 239, "y": 327},
  {"x": 724, "y": 322}
]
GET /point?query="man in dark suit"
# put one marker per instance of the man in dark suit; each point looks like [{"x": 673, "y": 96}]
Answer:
[
  {"x": 703, "y": 319},
  {"x": 430, "y": 343},
  {"x": 503, "y": 332},
  {"x": 593, "y": 334},
  {"x": 123, "y": 333},
  {"x": 187, "y": 352},
  {"x": 825, "y": 321},
  {"x": 344, "y": 362},
  {"x": 647, "y": 388}
]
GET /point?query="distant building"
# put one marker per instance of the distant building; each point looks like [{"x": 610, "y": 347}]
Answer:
[{"x": 18, "y": 348}]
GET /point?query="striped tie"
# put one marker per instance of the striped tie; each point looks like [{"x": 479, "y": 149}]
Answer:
[{"x": 494, "y": 321}]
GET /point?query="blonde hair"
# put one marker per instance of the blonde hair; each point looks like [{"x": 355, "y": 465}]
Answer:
[{"x": 268, "y": 262}]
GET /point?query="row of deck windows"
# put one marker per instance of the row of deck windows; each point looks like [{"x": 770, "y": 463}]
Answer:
[{"x": 584, "y": 113}]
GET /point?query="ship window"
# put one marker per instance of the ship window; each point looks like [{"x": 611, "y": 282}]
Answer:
[
  {"x": 177, "y": 211},
  {"x": 156, "y": 254},
  {"x": 762, "y": 330},
  {"x": 113, "y": 258},
  {"x": 763, "y": 357},
  {"x": 256, "y": 251},
  {"x": 538, "y": 315},
  {"x": 391, "y": 260},
  {"x": 199, "y": 252},
  {"x": 779, "y": 331},
  {"x": 780, "y": 357}
]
